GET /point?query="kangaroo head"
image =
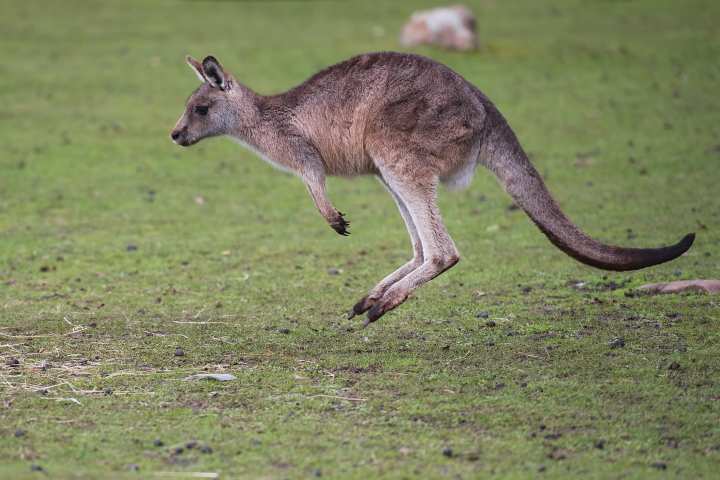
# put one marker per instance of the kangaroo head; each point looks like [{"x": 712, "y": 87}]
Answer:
[{"x": 219, "y": 106}]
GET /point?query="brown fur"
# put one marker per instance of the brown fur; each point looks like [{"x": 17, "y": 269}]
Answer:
[{"x": 413, "y": 123}]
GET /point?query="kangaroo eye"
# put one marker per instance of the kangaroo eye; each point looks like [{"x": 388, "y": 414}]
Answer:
[{"x": 201, "y": 109}]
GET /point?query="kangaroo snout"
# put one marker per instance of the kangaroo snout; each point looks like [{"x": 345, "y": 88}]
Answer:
[{"x": 179, "y": 136}]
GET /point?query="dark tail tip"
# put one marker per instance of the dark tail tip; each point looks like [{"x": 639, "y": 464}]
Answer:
[
  {"x": 685, "y": 244},
  {"x": 676, "y": 250},
  {"x": 672, "y": 252},
  {"x": 637, "y": 258}
]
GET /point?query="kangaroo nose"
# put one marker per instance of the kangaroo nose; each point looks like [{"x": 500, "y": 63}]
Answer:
[{"x": 175, "y": 134}]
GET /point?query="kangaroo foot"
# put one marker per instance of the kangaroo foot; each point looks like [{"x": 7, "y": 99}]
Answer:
[
  {"x": 392, "y": 299},
  {"x": 362, "y": 306}
]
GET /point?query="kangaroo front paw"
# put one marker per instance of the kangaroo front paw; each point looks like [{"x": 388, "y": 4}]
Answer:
[{"x": 340, "y": 225}]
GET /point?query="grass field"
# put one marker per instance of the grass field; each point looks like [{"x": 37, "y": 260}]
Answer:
[{"x": 128, "y": 263}]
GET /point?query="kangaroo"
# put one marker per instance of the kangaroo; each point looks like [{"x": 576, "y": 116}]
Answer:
[{"x": 413, "y": 123}]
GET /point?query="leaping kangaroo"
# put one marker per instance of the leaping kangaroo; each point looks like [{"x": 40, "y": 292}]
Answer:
[{"x": 413, "y": 123}]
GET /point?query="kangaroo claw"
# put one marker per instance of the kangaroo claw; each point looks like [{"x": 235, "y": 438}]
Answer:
[{"x": 340, "y": 225}]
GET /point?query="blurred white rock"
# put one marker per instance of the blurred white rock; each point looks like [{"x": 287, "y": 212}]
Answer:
[{"x": 451, "y": 27}]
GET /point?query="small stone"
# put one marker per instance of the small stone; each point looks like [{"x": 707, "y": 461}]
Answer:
[
  {"x": 108, "y": 391},
  {"x": 36, "y": 468},
  {"x": 178, "y": 450},
  {"x": 600, "y": 444},
  {"x": 490, "y": 323},
  {"x": 131, "y": 248},
  {"x": 542, "y": 468},
  {"x": 617, "y": 342},
  {"x": 317, "y": 473},
  {"x": 482, "y": 315},
  {"x": 659, "y": 465},
  {"x": 448, "y": 452},
  {"x": 179, "y": 352},
  {"x": 206, "y": 449},
  {"x": 158, "y": 443},
  {"x": 134, "y": 467},
  {"x": 20, "y": 433},
  {"x": 191, "y": 444},
  {"x": 674, "y": 366},
  {"x": 284, "y": 331},
  {"x": 334, "y": 271},
  {"x": 557, "y": 454},
  {"x": 12, "y": 362}
]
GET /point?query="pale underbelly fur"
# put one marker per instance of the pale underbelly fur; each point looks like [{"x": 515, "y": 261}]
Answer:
[{"x": 462, "y": 176}]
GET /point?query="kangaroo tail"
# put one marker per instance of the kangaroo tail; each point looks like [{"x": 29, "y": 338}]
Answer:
[{"x": 504, "y": 156}]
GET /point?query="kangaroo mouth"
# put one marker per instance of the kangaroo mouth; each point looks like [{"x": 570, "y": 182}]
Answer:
[{"x": 185, "y": 142}]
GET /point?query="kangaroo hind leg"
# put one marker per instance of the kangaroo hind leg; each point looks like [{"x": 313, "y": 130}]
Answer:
[
  {"x": 379, "y": 290},
  {"x": 419, "y": 195}
]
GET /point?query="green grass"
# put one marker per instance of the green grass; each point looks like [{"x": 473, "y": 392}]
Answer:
[{"x": 618, "y": 103}]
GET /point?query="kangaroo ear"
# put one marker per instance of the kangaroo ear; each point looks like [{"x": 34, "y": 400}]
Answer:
[
  {"x": 196, "y": 67},
  {"x": 216, "y": 76}
]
